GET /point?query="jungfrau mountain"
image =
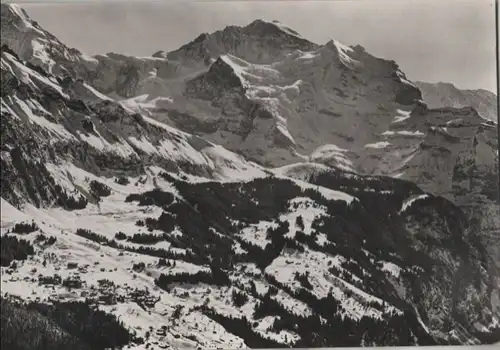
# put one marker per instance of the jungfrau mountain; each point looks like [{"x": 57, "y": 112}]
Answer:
[{"x": 249, "y": 189}]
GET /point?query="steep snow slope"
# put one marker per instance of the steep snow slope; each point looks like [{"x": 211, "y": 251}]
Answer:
[
  {"x": 33, "y": 43},
  {"x": 447, "y": 95},
  {"x": 42, "y": 116}
]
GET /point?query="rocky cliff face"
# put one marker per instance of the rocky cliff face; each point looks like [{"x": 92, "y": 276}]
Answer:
[
  {"x": 285, "y": 111},
  {"x": 452, "y": 153},
  {"x": 157, "y": 179},
  {"x": 447, "y": 95},
  {"x": 48, "y": 118}
]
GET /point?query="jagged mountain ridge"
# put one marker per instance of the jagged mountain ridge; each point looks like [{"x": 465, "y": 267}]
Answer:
[
  {"x": 412, "y": 248},
  {"x": 31, "y": 42},
  {"x": 259, "y": 42},
  {"x": 272, "y": 112},
  {"x": 297, "y": 64},
  {"x": 448, "y": 95}
]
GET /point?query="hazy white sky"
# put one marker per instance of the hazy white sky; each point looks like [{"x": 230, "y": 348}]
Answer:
[{"x": 438, "y": 40}]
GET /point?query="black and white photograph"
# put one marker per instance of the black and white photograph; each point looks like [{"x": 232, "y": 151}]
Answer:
[{"x": 249, "y": 174}]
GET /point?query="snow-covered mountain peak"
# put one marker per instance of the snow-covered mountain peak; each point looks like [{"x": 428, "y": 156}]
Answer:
[
  {"x": 340, "y": 53},
  {"x": 273, "y": 27},
  {"x": 36, "y": 45},
  {"x": 337, "y": 45},
  {"x": 258, "y": 42},
  {"x": 16, "y": 16}
]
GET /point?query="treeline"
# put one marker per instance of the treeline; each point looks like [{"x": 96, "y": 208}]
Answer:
[
  {"x": 92, "y": 236},
  {"x": 97, "y": 328},
  {"x": 216, "y": 276},
  {"x": 209, "y": 213},
  {"x": 68, "y": 325},
  {"x": 99, "y": 189},
  {"x": 12, "y": 248},
  {"x": 340, "y": 331},
  {"x": 242, "y": 328},
  {"x": 154, "y": 197},
  {"x": 213, "y": 213},
  {"x": 156, "y": 252},
  {"x": 27, "y": 329},
  {"x": 69, "y": 202},
  {"x": 25, "y": 228}
]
